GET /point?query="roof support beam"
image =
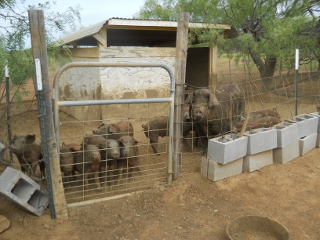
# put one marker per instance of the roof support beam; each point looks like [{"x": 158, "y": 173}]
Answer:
[{"x": 100, "y": 39}]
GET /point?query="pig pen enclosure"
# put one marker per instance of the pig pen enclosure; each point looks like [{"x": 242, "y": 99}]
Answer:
[
  {"x": 191, "y": 193},
  {"x": 144, "y": 165}
]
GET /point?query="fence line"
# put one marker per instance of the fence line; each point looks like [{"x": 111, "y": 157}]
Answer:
[{"x": 23, "y": 119}]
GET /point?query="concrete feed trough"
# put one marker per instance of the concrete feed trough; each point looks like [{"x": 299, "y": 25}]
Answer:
[{"x": 256, "y": 227}]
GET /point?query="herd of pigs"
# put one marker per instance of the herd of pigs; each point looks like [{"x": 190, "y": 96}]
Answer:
[{"x": 111, "y": 152}]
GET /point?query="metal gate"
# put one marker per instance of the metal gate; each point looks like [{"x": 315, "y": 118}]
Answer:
[{"x": 81, "y": 186}]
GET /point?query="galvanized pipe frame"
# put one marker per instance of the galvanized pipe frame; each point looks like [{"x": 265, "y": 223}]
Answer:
[{"x": 57, "y": 103}]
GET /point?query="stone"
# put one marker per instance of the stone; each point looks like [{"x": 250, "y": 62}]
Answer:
[{"x": 4, "y": 223}]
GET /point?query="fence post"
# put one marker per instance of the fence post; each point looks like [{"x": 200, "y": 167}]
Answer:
[
  {"x": 180, "y": 75},
  {"x": 8, "y": 110},
  {"x": 39, "y": 50}
]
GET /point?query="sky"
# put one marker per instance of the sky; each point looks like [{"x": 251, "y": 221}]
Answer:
[{"x": 92, "y": 11}]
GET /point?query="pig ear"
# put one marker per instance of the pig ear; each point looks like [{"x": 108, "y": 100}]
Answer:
[
  {"x": 120, "y": 140},
  {"x": 85, "y": 141},
  {"x": 72, "y": 149},
  {"x": 101, "y": 146},
  {"x": 111, "y": 130},
  {"x": 213, "y": 101},
  {"x": 189, "y": 99},
  {"x": 136, "y": 142},
  {"x": 94, "y": 131},
  {"x": 30, "y": 139}
]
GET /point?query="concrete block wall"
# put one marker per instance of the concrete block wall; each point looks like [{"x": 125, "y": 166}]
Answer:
[
  {"x": 318, "y": 136},
  {"x": 288, "y": 142},
  {"x": 287, "y": 133},
  {"x": 221, "y": 149},
  {"x": 262, "y": 147},
  {"x": 287, "y": 153},
  {"x": 307, "y": 124},
  {"x": 253, "y": 162},
  {"x": 22, "y": 190},
  {"x": 306, "y": 144},
  {"x": 260, "y": 140},
  {"x": 215, "y": 171}
]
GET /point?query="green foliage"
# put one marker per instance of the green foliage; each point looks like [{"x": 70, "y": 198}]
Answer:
[
  {"x": 15, "y": 37},
  {"x": 268, "y": 31}
]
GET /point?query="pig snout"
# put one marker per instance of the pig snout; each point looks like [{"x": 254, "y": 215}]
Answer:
[
  {"x": 116, "y": 155},
  {"x": 124, "y": 152},
  {"x": 198, "y": 115},
  {"x": 96, "y": 156}
]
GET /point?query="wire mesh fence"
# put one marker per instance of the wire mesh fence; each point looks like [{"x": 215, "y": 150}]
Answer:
[
  {"x": 267, "y": 107},
  {"x": 111, "y": 156},
  {"x": 148, "y": 150}
]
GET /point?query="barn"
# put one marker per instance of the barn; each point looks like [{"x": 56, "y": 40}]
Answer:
[{"x": 137, "y": 41}]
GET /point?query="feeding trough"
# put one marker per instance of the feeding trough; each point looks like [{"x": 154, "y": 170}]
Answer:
[{"x": 256, "y": 228}]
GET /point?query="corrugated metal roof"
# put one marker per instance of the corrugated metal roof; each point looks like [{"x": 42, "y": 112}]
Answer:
[
  {"x": 85, "y": 32},
  {"x": 95, "y": 28}
]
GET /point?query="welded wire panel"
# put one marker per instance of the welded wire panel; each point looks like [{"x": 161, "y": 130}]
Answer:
[
  {"x": 267, "y": 106},
  {"x": 94, "y": 174}
]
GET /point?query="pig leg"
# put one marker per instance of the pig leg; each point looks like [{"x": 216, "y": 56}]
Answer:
[
  {"x": 122, "y": 167},
  {"x": 103, "y": 174},
  {"x": 42, "y": 168},
  {"x": 96, "y": 179},
  {"x": 134, "y": 167},
  {"x": 24, "y": 166},
  {"x": 186, "y": 145},
  {"x": 202, "y": 136},
  {"x": 34, "y": 168},
  {"x": 154, "y": 143},
  {"x": 112, "y": 173}
]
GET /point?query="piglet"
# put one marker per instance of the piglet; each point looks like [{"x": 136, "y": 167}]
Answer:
[
  {"x": 115, "y": 130},
  {"x": 88, "y": 162},
  {"x": 129, "y": 156},
  {"x": 158, "y": 127},
  {"x": 110, "y": 152},
  {"x": 28, "y": 153},
  {"x": 66, "y": 161}
]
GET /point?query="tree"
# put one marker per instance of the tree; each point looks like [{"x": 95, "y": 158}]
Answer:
[
  {"x": 14, "y": 36},
  {"x": 268, "y": 30}
]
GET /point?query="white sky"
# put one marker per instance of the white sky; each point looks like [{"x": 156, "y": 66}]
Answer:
[{"x": 92, "y": 11}]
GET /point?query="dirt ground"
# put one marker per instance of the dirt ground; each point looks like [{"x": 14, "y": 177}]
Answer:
[{"x": 192, "y": 208}]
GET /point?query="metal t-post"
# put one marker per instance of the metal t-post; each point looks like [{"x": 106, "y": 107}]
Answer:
[
  {"x": 296, "y": 81},
  {"x": 8, "y": 109}
]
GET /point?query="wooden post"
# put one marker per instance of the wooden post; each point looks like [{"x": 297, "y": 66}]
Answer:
[
  {"x": 180, "y": 75},
  {"x": 213, "y": 62},
  {"x": 39, "y": 50}
]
